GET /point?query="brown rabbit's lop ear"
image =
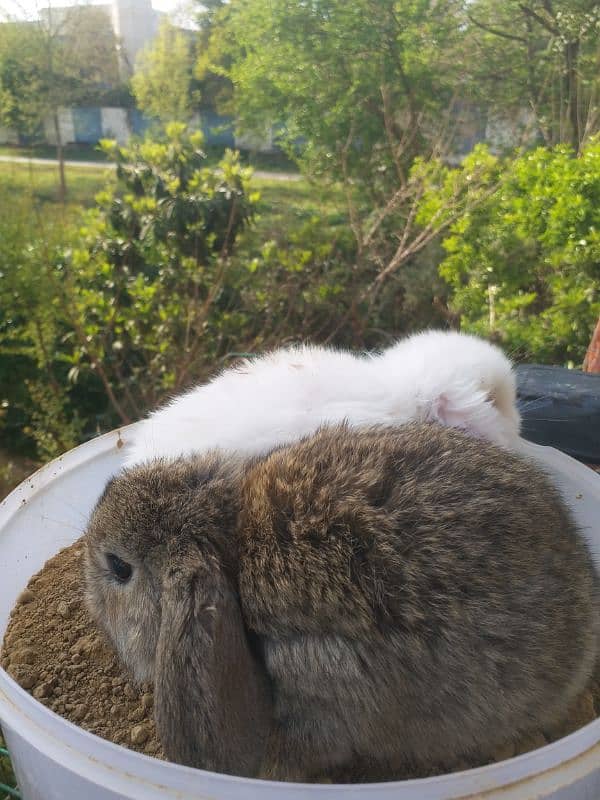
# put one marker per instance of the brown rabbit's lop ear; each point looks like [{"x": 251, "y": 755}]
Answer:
[{"x": 212, "y": 699}]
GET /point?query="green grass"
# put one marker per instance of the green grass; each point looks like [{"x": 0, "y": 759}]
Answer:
[
  {"x": 285, "y": 206},
  {"x": 40, "y": 184},
  {"x": 7, "y": 778},
  {"x": 281, "y": 201}
]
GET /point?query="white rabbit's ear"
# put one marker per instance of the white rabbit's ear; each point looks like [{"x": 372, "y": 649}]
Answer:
[
  {"x": 212, "y": 700},
  {"x": 475, "y": 411}
]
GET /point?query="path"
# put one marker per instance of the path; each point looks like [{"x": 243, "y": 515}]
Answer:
[{"x": 258, "y": 173}]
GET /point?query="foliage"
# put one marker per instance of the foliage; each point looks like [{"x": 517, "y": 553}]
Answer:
[
  {"x": 365, "y": 93},
  {"x": 35, "y": 401},
  {"x": 54, "y": 62},
  {"x": 85, "y": 50},
  {"x": 358, "y": 85},
  {"x": 537, "y": 57},
  {"x": 99, "y": 321},
  {"x": 142, "y": 283},
  {"x": 304, "y": 283},
  {"x": 524, "y": 264},
  {"x": 323, "y": 276},
  {"x": 7, "y": 776},
  {"x": 20, "y": 78},
  {"x": 38, "y": 405},
  {"x": 65, "y": 57},
  {"x": 163, "y": 82},
  {"x": 212, "y": 61},
  {"x": 354, "y": 80}
]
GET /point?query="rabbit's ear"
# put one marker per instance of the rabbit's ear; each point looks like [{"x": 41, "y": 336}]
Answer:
[
  {"x": 212, "y": 700},
  {"x": 470, "y": 408}
]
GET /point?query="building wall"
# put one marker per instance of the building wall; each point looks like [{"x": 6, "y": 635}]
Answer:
[
  {"x": 115, "y": 124},
  {"x": 66, "y": 126},
  {"x": 135, "y": 24},
  {"x": 87, "y": 125}
]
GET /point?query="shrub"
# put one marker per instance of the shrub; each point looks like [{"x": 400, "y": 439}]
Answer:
[
  {"x": 34, "y": 407},
  {"x": 142, "y": 284},
  {"x": 524, "y": 265},
  {"x": 102, "y": 319}
]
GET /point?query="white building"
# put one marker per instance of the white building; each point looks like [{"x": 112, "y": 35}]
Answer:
[{"x": 135, "y": 23}]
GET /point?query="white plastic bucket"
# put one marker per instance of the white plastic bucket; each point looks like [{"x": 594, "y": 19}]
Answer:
[{"x": 56, "y": 760}]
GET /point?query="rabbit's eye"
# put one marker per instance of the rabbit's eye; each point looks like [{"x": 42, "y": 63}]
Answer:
[{"x": 119, "y": 568}]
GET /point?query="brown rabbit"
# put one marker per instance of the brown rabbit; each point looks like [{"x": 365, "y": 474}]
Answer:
[{"x": 383, "y": 598}]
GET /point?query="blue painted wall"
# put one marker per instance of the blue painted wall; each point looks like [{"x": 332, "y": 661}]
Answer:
[{"x": 87, "y": 124}]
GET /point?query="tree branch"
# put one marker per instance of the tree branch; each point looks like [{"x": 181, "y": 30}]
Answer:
[
  {"x": 495, "y": 31},
  {"x": 541, "y": 20},
  {"x": 352, "y": 213},
  {"x": 387, "y": 124}
]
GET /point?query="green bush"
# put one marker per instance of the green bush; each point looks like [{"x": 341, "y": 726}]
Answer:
[
  {"x": 305, "y": 283},
  {"x": 34, "y": 414},
  {"x": 101, "y": 319},
  {"x": 144, "y": 279},
  {"x": 164, "y": 281},
  {"x": 524, "y": 265}
]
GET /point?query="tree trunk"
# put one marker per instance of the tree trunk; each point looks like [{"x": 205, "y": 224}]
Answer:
[
  {"x": 62, "y": 191},
  {"x": 591, "y": 362},
  {"x": 572, "y": 93}
]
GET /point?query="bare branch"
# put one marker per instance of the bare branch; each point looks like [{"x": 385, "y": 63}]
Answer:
[
  {"x": 94, "y": 362},
  {"x": 390, "y": 206},
  {"x": 406, "y": 250},
  {"x": 99, "y": 369}
]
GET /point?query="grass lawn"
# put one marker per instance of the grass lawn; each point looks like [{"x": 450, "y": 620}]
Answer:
[
  {"x": 39, "y": 184},
  {"x": 282, "y": 204}
]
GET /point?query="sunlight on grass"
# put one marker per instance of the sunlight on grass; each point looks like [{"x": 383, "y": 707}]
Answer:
[
  {"x": 281, "y": 202},
  {"x": 40, "y": 183}
]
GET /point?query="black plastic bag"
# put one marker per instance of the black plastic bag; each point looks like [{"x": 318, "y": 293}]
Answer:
[{"x": 561, "y": 408}]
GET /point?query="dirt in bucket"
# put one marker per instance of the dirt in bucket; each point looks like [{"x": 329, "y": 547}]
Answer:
[{"x": 53, "y": 650}]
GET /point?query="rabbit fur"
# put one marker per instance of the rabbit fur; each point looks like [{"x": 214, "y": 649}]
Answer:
[
  {"x": 375, "y": 597},
  {"x": 449, "y": 377}
]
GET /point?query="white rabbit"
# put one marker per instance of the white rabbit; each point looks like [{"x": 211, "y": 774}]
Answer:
[
  {"x": 267, "y": 401},
  {"x": 456, "y": 379},
  {"x": 275, "y": 399}
]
